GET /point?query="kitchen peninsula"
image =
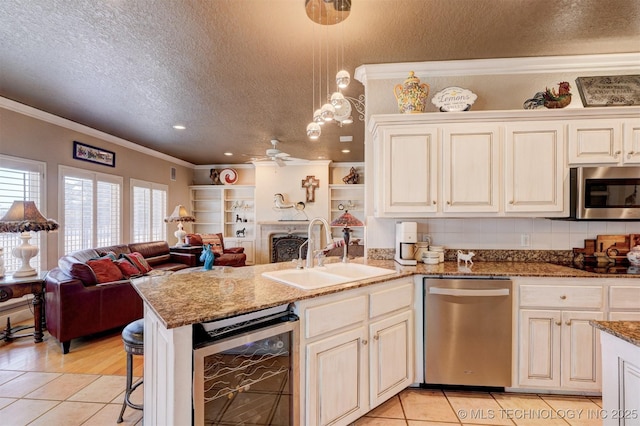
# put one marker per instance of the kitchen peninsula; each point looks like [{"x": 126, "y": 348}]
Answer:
[{"x": 174, "y": 302}]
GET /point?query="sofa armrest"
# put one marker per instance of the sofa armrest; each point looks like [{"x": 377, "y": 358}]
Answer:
[{"x": 185, "y": 258}]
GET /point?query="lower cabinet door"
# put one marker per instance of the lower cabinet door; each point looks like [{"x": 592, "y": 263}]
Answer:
[
  {"x": 337, "y": 378},
  {"x": 580, "y": 351},
  {"x": 391, "y": 356},
  {"x": 539, "y": 361}
]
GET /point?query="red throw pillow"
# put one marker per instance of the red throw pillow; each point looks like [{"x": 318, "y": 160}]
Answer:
[
  {"x": 106, "y": 271},
  {"x": 127, "y": 269},
  {"x": 193, "y": 239},
  {"x": 214, "y": 240},
  {"x": 138, "y": 261}
]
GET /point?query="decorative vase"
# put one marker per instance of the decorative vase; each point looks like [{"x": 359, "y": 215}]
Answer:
[
  {"x": 634, "y": 256},
  {"x": 411, "y": 95}
]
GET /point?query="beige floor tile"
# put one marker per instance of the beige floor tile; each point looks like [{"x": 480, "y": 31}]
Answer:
[
  {"x": 103, "y": 390},
  {"x": 477, "y": 408},
  {"x": 6, "y": 375},
  {"x": 423, "y": 404},
  {"x": 137, "y": 397},
  {"x": 596, "y": 400},
  {"x": 68, "y": 413},
  {"x": 63, "y": 387},
  {"x": 6, "y": 401},
  {"x": 379, "y": 421},
  {"x": 425, "y": 423},
  {"x": 26, "y": 383},
  {"x": 527, "y": 410},
  {"x": 24, "y": 411},
  {"x": 109, "y": 414},
  {"x": 391, "y": 409},
  {"x": 578, "y": 411}
]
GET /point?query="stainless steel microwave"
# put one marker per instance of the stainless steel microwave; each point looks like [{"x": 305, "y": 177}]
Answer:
[{"x": 605, "y": 193}]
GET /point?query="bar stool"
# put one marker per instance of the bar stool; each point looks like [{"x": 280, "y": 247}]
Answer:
[{"x": 133, "y": 339}]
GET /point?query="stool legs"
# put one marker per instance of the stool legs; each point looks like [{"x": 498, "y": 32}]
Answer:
[{"x": 130, "y": 388}]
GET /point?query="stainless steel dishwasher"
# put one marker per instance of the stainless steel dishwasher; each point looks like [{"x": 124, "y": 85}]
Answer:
[{"x": 468, "y": 331}]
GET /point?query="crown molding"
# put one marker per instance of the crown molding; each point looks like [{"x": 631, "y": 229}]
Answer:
[
  {"x": 23, "y": 109},
  {"x": 618, "y": 63}
]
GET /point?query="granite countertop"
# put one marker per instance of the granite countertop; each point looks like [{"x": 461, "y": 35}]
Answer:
[
  {"x": 626, "y": 330},
  {"x": 193, "y": 295}
]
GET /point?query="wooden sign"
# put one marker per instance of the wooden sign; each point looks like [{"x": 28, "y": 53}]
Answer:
[{"x": 617, "y": 90}]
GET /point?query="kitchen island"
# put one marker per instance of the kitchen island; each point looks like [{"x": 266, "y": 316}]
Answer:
[
  {"x": 621, "y": 371},
  {"x": 174, "y": 302}
]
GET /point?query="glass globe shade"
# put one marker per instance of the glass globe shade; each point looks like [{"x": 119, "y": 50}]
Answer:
[
  {"x": 336, "y": 100},
  {"x": 317, "y": 117},
  {"x": 327, "y": 112},
  {"x": 313, "y": 131},
  {"x": 343, "y": 78}
]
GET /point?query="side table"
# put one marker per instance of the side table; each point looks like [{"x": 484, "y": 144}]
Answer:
[
  {"x": 11, "y": 288},
  {"x": 195, "y": 251}
]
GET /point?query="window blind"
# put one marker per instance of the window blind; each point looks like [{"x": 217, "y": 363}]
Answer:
[{"x": 149, "y": 208}]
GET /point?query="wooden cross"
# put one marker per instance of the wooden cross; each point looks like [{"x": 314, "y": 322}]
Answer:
[{"x": 310, "y": 184}]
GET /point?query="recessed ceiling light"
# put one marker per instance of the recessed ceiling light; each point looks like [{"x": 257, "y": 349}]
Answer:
[
  {"x": 346, "y": 151},
  {"x": 320, "y": 157},
  {"x": 346, "y": 138},
  {"x": 179, "y": 126},
  {"x": 228, "y": 154}
]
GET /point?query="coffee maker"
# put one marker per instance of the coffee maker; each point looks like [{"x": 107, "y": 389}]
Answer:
[{"x": 406, "y": 238}]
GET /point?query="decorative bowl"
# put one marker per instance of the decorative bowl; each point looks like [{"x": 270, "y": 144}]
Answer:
[{"x": 634, "y": 256}]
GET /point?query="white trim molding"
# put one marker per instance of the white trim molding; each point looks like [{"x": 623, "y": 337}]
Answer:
[{"x": 618, "y": 62}]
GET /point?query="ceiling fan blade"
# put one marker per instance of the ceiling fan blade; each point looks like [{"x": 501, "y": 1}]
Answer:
[{"x": 279, "y": 162}]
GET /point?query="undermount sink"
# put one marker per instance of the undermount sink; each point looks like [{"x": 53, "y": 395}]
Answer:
[{"x": 325, "y": 276}]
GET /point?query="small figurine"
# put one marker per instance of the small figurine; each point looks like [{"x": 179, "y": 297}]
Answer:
[
  {"x": 207, "y": 257},
  {"x": 352, "y": 177},
  {"x": 214, "y": 175},
  {"x": 241, "y": 232},
  {"x": 550, "y": 99},
  {"x": 238, "y": 218},
  {"x": 466, "y": 257}
]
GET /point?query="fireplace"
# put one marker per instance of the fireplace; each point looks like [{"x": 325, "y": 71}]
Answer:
[{"x": 287, "y": 247}]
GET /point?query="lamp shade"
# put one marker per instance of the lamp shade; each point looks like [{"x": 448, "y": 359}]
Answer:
[
  {"x": 347, "y": 220},
  {"x": 180, "y": 214},
  {"x": 24, "y": 216}
]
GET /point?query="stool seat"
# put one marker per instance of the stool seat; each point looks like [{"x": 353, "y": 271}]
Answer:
[
  {"x": 133, "y": 337},
  {"x": 133, "y": 340}
]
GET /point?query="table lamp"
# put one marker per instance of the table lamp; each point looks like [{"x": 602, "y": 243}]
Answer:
[
  {"x": 346, "y": 220},
  {"x": 180, "y": 215},
  {"x": 24, "y": 217}
]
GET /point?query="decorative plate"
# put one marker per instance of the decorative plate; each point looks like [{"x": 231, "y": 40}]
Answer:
[
  {"x": 454, "y": 99},
  {"x": 228, "y": 176}
]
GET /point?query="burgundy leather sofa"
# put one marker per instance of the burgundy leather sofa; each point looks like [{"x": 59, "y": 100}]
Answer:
[
  {"x": 232, "y": 256},
  {"x": 76, "y": 305}
]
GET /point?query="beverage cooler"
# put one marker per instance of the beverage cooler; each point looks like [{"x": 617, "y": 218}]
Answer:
[{"x": 244, "y": 369}]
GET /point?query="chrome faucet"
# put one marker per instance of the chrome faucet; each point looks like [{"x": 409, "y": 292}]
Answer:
[{"x": 327, "y": 228}]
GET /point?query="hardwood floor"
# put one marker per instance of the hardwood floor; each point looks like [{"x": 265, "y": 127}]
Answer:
[{"x": 99, "y": 354}]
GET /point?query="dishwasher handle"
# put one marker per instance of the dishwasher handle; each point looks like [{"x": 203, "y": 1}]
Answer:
[{"x": 460, "y": 292}]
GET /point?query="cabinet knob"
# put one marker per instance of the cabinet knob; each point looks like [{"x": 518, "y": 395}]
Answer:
[
  {"x": 364, "y": 342},
  {"x": 558, "y": 322},
  {"x": 448, "y": 203},
  {"x": 615, "y": 154},
  {"x": 568, "y": 322},
  {"x": 511, "y": 202},
  {"x": 630, "y": 154},
  {"x": 563, "y": 297},
  {"x": 434, "y": 202},
  {"x": 376, "y": 337}
]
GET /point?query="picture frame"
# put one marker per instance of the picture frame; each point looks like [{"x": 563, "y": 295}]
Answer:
[
  {"x": 615, "y": 90},
  {"x": 92, "y": 154}
]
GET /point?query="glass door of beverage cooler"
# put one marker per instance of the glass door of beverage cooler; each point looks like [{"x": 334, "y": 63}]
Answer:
[{"x": 248, "y": 378}]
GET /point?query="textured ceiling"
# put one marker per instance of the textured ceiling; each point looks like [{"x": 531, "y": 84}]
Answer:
[{"x": 238, "y": 73}]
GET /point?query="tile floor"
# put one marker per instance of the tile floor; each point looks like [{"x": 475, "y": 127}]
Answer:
[
  {"x": 51, "y": 399},
  {"x": 427, "y": 407},
  {"x": 36, "y": 398}
]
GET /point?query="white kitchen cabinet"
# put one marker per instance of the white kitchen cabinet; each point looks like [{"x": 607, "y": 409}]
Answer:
[
  {"x": 624, "y": 303},
  {"x": 407, "y": 160},
  {"x": 558, "y": 349},
  {"x": 603, "y": 142},
  {"x": 336, "y": 379},
  {"x": 359, "y": 351},
  {"x": 471, "y": 168},
  {"x": 534, "y": 171}
]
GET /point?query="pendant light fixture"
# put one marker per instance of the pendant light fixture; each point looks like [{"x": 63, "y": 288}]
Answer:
[{"x": 337, "y": 107}]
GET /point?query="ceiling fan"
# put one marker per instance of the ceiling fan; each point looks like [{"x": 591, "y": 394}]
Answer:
[{"x": 274, "y": 154}]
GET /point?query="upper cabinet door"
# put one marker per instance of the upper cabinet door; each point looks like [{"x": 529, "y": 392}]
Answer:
[
  {"x": 631, "y": 142},
  {"x": 471, "y": 169},
  {"x": 407, "y": 156},
  {"x": 534, "y": 168},
  {"x": 595, "y": 142}
]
